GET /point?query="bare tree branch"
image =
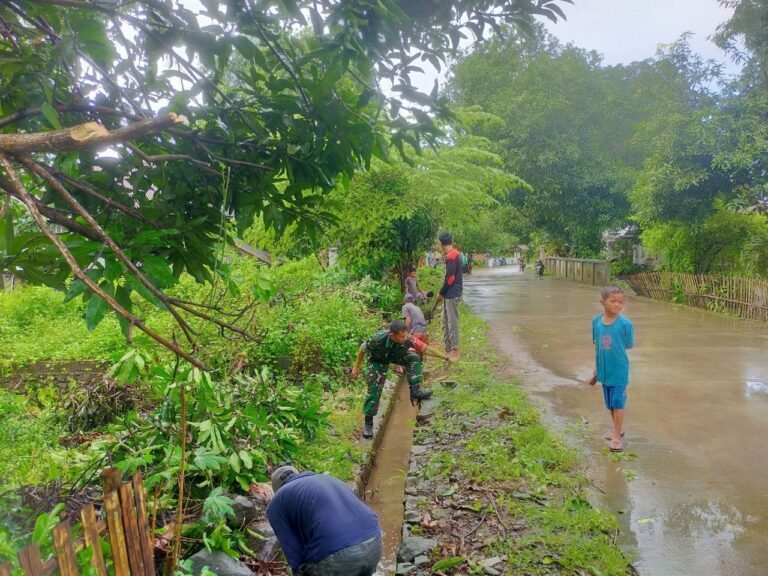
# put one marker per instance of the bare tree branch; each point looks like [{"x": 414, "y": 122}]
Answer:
[
  {"x": 169, "y": 157},
  {"x": 19, "y": 191},
  {"x": 220, "y": 323},
  {"x": 82, "y": 137},
  {"x": 54, "y": 215}
]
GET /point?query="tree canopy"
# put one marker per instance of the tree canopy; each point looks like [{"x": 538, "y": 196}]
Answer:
[
  {"x": 672, "y": 144},
  {"x": 137, "y": 146}
]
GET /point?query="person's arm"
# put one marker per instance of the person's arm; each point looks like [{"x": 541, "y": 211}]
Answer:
[
  {"x": 629, "y": 330},
  {"x": 406, "y": 313},
  {"x": 592, "y": 381},
  {"x": 451, "y": 271},
  {"x": 358, "y": 361},
  {"x": 290, "y": 544}
]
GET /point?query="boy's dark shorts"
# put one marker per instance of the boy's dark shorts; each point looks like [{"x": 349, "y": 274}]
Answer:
[{"x": 615, "y": 397}]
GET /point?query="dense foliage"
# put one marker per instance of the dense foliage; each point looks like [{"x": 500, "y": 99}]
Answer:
[
  {"x": 252, "y": 411},
  {"x": 149, "y": 132},
  {"x": 672, "y": 144}
]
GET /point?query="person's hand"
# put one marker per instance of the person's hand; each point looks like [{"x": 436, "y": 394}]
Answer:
[
  {"x": 592, "y": 381},
  {"x": 355, "y": 372},
  {"x": 439, "y": 297}
]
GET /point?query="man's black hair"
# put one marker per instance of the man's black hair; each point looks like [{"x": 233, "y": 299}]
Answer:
[
  {"x": 397, "y": 326},
  {"x": 445, "y": 238}
]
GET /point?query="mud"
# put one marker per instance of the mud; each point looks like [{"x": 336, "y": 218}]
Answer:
[{"x": 692, "y": 500}]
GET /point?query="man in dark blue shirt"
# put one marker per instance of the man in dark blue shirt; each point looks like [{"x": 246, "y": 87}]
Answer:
[{"x": 323, "y": 528}]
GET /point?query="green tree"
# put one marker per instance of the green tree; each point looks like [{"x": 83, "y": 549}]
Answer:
[
  {"x": 190, "y": 160},
  {"x": 562, "y": 132}
]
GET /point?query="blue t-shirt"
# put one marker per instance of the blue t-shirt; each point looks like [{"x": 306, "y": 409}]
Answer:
[
  {"x": 611, "y": 344},
  {"x": 315, "y": 515}
]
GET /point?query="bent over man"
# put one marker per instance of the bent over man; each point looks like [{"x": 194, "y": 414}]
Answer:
[
  {"x": 393, "y": 346},
  {"x": 322, "y": 527}
]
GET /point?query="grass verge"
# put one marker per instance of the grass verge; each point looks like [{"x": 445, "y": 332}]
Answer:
[{"x": 486, "y": 434}]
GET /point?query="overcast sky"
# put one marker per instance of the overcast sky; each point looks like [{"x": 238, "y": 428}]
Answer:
[{"x": 625, "y": 31}]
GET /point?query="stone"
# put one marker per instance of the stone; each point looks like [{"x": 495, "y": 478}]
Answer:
[
  {"x": 419, "y": 450},
  {"x": 491, "y": 562},
  {"x": 412, "y": 502},
  {"x": 246, "y": 511},
  {"x": 421, "y": 560},
  {"x": 427, "y": 410},
  {"x": 414, "y": 546},
  {"x": 219, "y": 563},
  {"x": 403, "y": 569},
  {"x": 412, "y": 517},
  {"x": 488, "y": 571},
  {"x": 261, "y": 539}
]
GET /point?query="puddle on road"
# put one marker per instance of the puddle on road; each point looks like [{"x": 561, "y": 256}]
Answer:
[
  {"x": 755, "y": 388},
  {"x": 386, "y": 487},
  {"x": 693, "y": 500}
]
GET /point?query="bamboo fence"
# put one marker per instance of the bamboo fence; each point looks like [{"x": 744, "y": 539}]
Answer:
[
  {"x": 743, "y": 297},
  {"x": 125, "y": 523}
]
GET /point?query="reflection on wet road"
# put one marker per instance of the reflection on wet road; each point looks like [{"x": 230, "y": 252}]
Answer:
[{"x": 693, "y": 501}]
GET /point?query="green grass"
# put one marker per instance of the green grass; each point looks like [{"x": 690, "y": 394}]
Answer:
[
  {"x": 28, "y": 436},
  {"x": 537, "y": 478},
  {"x": 336, "y": 449}
]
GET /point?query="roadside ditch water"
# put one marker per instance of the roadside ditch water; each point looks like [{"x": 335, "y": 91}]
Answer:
[{"x": 385, "y": 489}]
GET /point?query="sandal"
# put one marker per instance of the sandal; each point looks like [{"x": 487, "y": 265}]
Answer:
[{"x": 617, "y": 446}]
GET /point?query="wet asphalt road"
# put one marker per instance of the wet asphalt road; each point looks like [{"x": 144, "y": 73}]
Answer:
[{"x": 694, "y": 501}]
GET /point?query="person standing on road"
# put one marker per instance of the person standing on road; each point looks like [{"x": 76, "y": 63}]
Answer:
[
  {"x": 322, "y": 527},
  {"x": 450, "y": 294},
  {"x": 613, "y": 335}
]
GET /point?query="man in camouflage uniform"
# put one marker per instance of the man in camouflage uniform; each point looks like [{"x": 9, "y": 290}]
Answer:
[{"x": 393, "y": 346}]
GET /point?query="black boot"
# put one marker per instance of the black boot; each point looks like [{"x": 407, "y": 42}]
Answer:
[
  {"x": 368, "y": 427},
  {"x": 418, "y": 395}
]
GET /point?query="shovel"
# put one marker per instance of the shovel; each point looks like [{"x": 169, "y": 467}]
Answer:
[{"x": 431, "y": 313}]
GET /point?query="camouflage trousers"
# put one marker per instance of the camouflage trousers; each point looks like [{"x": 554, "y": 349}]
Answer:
[{"x": 376, "y": 375}]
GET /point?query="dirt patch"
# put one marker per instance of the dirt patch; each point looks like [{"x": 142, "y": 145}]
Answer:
[{"x": 57, "y": 372}]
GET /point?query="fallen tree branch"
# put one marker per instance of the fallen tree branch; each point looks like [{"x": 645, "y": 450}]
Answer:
[
  {"x": 54, "y": 215},
  {"x": 495, "y": 509},
  {"x": 82, "y": 137},
  {"x": 20, "y": 192},
  {"x": 70, "y": 108}
]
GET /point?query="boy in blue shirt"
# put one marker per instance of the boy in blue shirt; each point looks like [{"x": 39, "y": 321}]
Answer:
[{"x": 613, "y": 335}]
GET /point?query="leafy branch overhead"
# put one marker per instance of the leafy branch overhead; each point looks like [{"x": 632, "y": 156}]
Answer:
[{"x": 140, "y": 136}]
